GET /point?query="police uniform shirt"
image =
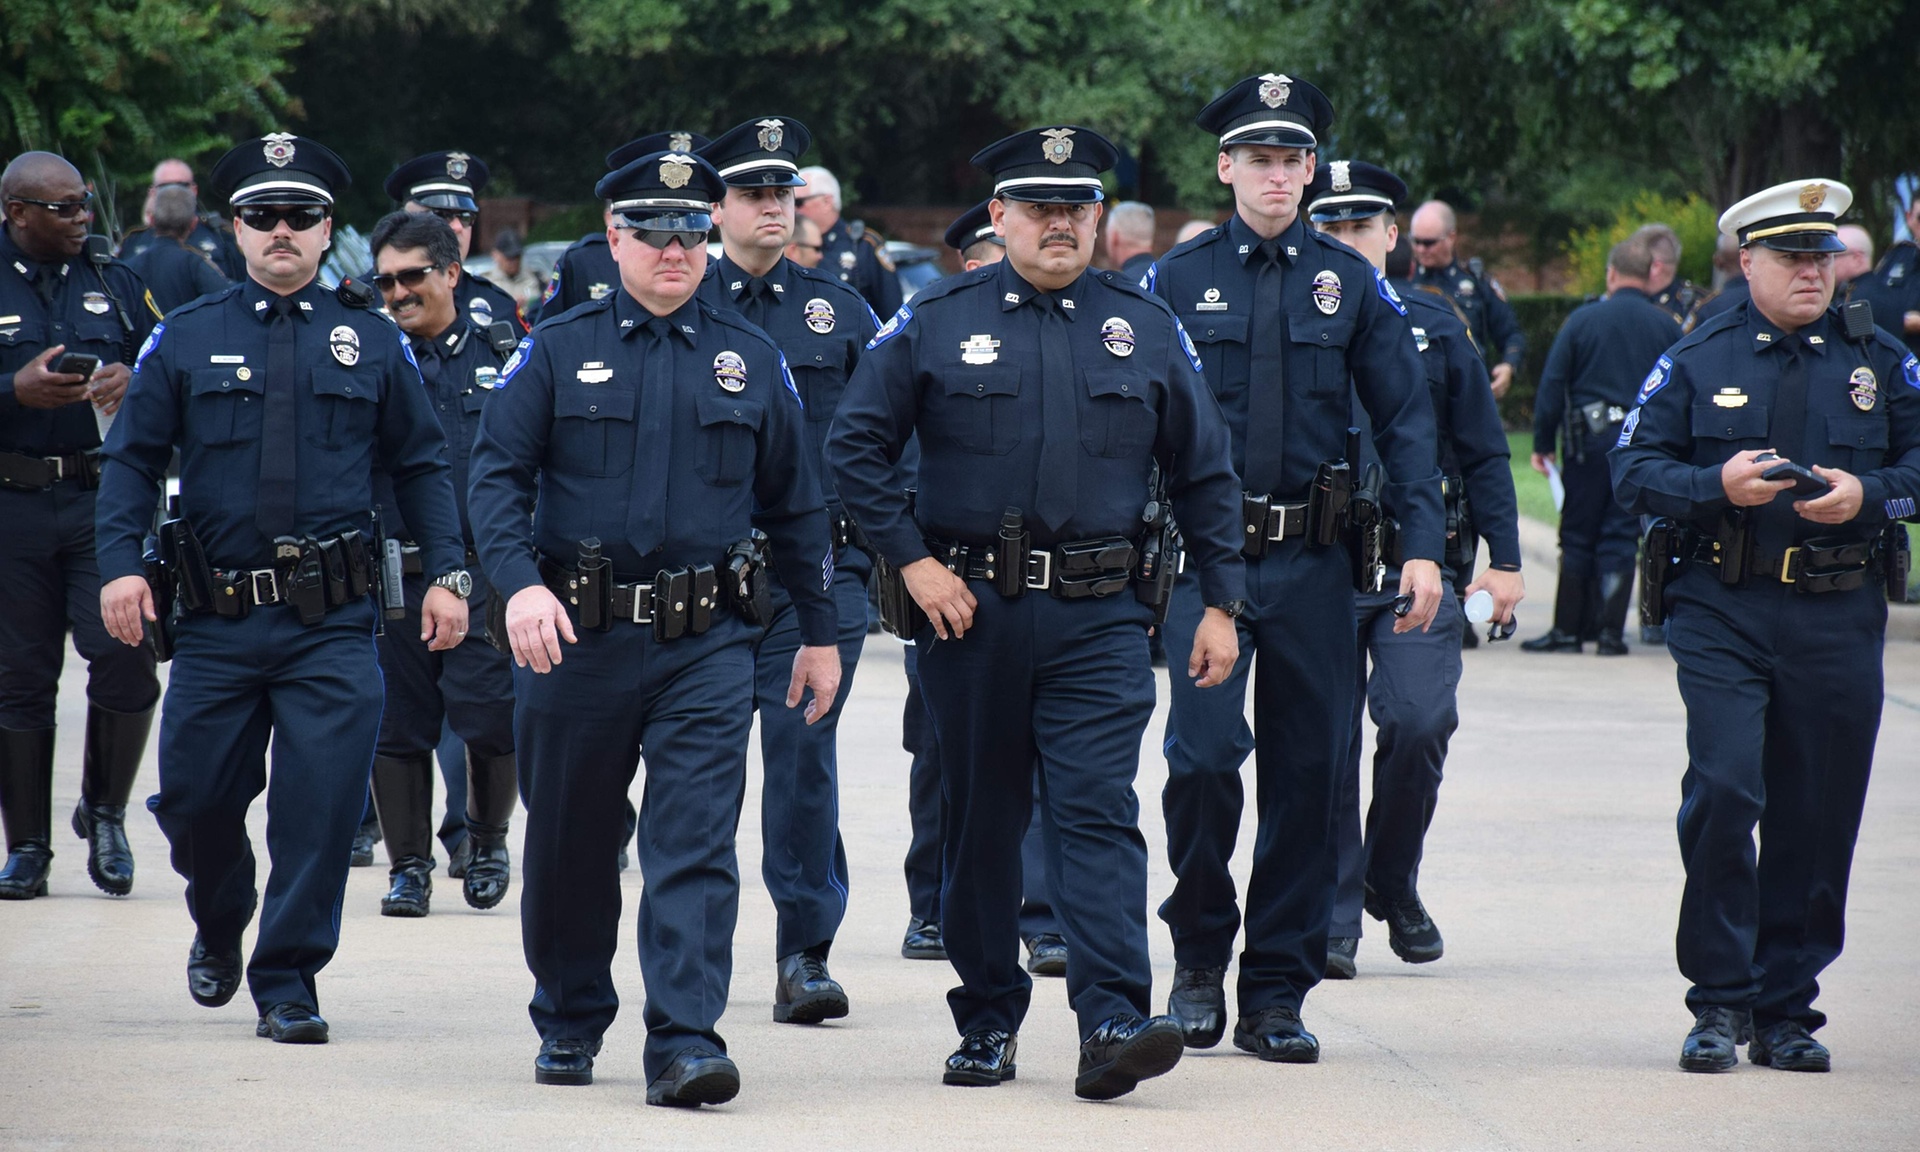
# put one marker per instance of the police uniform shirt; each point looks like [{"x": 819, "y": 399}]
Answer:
[
  {"x": 585, "y": 271},
  {"x": 1495, "y": 328},
  {"x": 849, "y": 253},
  {"x": 206, "y": 238},
  {"x": 565, "y": 424},
  {"x": 960, "y": 366},
  {"x": 1346, "y": 334},
  {"x": 461, "y": 371},
  {"x": 484, "y": 303},
  {"x": 201, "y": 384},
  {"x": 1600, "y": 355},
  {"x": 78, "y": 309},
  {"x": 1733, "y": 293},
  {"x": 175, "y": 273},
  {"x": 1894, "y": 290}
]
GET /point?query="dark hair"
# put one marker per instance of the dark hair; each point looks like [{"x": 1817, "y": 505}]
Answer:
[
  {"x": 1400, "y": 260},
  {"x": 410, "y": 230}
]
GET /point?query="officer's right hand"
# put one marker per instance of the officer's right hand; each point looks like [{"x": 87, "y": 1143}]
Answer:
[
  {"x": 1541, "y": 462},
  {"x": 1501, "y": 378},
  {"x": 124, "y": 604},
  {"x": 1740, "y": 477},
  {"x": 536, "y": 623},
  {"x": 944, "y": 597},
  {"x": 37, "y": 386}
]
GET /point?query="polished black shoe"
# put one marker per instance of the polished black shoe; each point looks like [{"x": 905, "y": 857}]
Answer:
[
  {"x": 1410, "y": 931},
  {"x": 1340, "y": 953},
  {"x": 983, "y": 1060},
  {"x": 363, "y": 842},
  {"x": 1554, "y": 641},
  {"x": 1277, "y": 1036},
  {"x": 1789, "y": 1047},
  {"x": 697, "y": 1076},
  {"x": 1124, "y": 1051},
  {"x": 1610, "y": 643},
  {"x": 804, "y": 992},
  {"x": 411, "y": 894},
  {"x": 565, "y": 1062},
  {"x": 923, "y": 941},
  {"x": 213, "y": 974},
  {"x": 1713, "y": 1043},
  {"x": 292, "y": 1023},
  {"x": 1047, "y": 954},
  {"x": 25, "y": 874},
  {"x": 489, "y": 872},
  {"x": 457, "y": 858},
  {"x": 1198, "y": 1003},
  {"x": 109, "y": 859}
]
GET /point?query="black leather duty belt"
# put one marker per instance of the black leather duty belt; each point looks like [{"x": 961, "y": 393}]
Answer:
[
  {"x": 38, "y": 473},
  {"x": 1101, "y": 566}
]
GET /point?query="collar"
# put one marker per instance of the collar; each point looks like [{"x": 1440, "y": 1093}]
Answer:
[
  {"x": 24, "y": 264},
  {"x": 448, "y": 344},
  {"x": 629, "y": 317},
  {"x": 1015, "y": 291},
  {"x": 1625, "y": 289},
  {"x": 734, "y": 279},
  {"x": 1246, "y": 241},
  {"x": 1452, "y": 270},
  {"x": 1764, "y": 333},
  {"x": 259, "y": 299}
]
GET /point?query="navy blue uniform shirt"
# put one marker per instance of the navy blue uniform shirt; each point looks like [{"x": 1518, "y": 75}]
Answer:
[
  {"x": 565, "y": 427},
  {"x": 1600, "y": 355},
  {"x": 200, "y": 385},
  {"x": 960, "y": 366},
  {"x": 1894, "y": 289},
  {"x": 855, "y": 258},
  {"x": 82, "y": 316},
  {"x": 585, "y": 271},
  {"x": 1489, "y": 317},
  {"x": 461, "y": 371},
  {"x": 1363, "y": 347},
  {"x": 210, "y": 240},
  {"x": 175, "y": 272}
]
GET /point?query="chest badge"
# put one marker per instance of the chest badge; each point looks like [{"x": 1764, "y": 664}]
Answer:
[
  {"x": 848, "y": 260},
  {"x": 95, "y": 302},
  {"x": 345, "y": 343},
  {"x": 1730, "y": 398},
  {"x": 1210, "y": 302},
  {"x": 1864, "y": 388},
  {"x": 595, "y": 291},
  {"x": 1326, "y": 291},
  {"x": 1465, "y": 287},
  {"x": 1117, "y": 335},
  {"x": 819, "y": 315},
  {"x": 730, "y": 371},
  {"x": 488, "y": 378},
  {"x": 1420, "y": 340},
  {"x": 981, "y": 349},
  {"x": 594, "y": 372}
]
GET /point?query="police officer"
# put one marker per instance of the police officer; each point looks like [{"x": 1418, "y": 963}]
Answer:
[
  {"x": 1777, "y": 602},
  {"x": 657, "y": 432},
  {"x": 1489, "y": 317},
  {"x": 1292, "y": 326},
  {"x": 281, "y": 397},
  {"x": 209, "y": 236},
  {"x": 1894, "y": 286},
  {"x": 1675, "y": 294},
  {"x": 1043, "y": 396},
  {"x": 848, "y": 248},
  {"x": 59, "y": 303},
  {"x": 417, "y": 269},
  {"x": 1598, "y": 359},
  {"x": 171, "y": 268},
  {"x": 445, "y": 184},
  {"x": 1411, "y": 691}
]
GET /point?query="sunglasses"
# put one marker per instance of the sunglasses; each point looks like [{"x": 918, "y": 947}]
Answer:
[
  {"x": 65, "y": 209},
  {"x": 662, "y": 237},
  {"x": 1420, "y": 243},
  {"x": 809, "y": 247},
  {"x": 267, "y": 219},
  {"x": 455, "y": 215},
  {"x": 410, "y": 278}
]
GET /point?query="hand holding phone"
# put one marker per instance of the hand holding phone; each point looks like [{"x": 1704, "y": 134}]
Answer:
[
  {"x": 78, "y": 364},
  {"x": 1805, "y": 483}
]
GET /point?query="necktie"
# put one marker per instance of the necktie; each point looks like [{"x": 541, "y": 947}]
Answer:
[
  {"x": 1266, "y": 384},
  {"x": 1789, "y": 423},
  {"x": 754, "y": 307},
  {"x": 647, "y": 499},
  {"x": 44, "y": 285},
  {"x": 1059, "y": 479},
  {"x": 273, "y": 510}
]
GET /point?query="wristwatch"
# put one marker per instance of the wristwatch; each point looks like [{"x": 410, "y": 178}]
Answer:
[
  {"x": 457, "y": 582},
  {"x": 1232, "y": 608}
]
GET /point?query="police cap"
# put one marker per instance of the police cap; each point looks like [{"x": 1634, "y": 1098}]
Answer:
[
  {"x": 439, "y": 180},
  {"x": 674, "y": 140},
  {"x": 670, "y": 191},
  {"x": 1269, "y": 109},
  {"x": 280, "y": 168},
  {"x": 1798, "y": 216},
  {"x": 1352, "y": 190},
  {"x": 1059, "y": 165},
  {"x": 973, "y": 226},
  {"x": 763, "y": 152}
]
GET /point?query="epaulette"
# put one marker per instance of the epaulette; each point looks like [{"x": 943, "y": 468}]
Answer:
[
  {"x": 728, "y": 318},
  {"x": 1200, "y": 241},
  {"x": 581, "y": 309},
  {"x": 825, "y": 282},
  {"x": 948, "y": 285},
  {"x": 206, "y": 301},
  {"x": 1121, "y": 282},
  {"x": 1734, "y": 317}
]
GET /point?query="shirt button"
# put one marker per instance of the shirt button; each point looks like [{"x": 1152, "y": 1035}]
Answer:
[
  {"x": 979, "y": 387},
  {"x": 1209, "y": 331},
  {"x": 593, "y": 407},
  {"x": 819, "y": 359},
  {"x": 1123, "y": 387}
]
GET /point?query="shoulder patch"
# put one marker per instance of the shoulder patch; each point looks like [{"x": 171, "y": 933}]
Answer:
[
  {"x": 1656, "y": 380},
  {"x": 1387, "y": 293},
  {"x": 1910, "y": 368},
  {"x": 517, "y": 361},
  {"x": 1152, "y": 277},
  {"x": 153, "y": 341},
  {"x": 1186, "y": 345},
  {"x": 406, "y": 349},
  {"x": 786, "y": 375},
  {"x": 892, "y": 327}
]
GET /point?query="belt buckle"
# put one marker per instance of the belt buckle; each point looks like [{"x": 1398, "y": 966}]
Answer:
[
  {"x": 58, "y": 464},
  {"x": 1277, "y": 523},
  {"x": 641, "y": 597},
  {"x": 1786, "y": 564},
  {"x": 254, "y": 577},
  {"x": 1046, "y": 569}
]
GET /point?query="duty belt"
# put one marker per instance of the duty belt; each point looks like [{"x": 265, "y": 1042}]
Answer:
[
  {"x": 1809, "y": 566},
  {"x": 1267, "y": 523},
  {"x": 38, "y": 473},
  {"x": 1072, "y": 571},
  {"x": 632, "y": 603},
  {"x": 235, "y": 590}
]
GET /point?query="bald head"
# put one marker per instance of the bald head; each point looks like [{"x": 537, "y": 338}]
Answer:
[
  {"x": 1433, "y": 227},
  {"x": 172, "y": 172},
  {"x": 1191, "y": 229},
  {"x": 41, "y": 233},
  {"x": 819, "y": 200},
  {"x": 42, "y": 176},
  {"x": 1129, "y": 231},
  {"x": 1857, "y": 260}
]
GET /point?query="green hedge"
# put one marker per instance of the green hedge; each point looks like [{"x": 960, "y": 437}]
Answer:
[{"x": 1540, "y": 318}]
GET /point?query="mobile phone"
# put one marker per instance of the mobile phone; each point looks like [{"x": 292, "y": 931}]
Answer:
[
  {"x": 1805, "y": 483},
  {"x": 78, "y": 364}
]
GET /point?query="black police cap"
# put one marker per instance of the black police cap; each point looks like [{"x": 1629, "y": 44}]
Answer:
[
  {"x": 280, "y": 168},
  {"x": 1059, "y": 165},
  {"x": 439, "y": 180},
  {"x": 973, "y": 226},
  {"x": 667, "y": 190},
  {"x": 675, "y": 140},
  {"x": 763, "y": 152},
  {"x": 1352, "y": 190},
  {"x": 1269, "y": 109}
]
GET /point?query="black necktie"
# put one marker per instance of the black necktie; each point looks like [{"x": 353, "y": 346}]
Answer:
[
  {"x": 647, "y": 499},
  {"x": 44, "y": 284},
  {"x": 755, "y": 305},
  {"x": 1059, "y": 479},
  {"x": 1789, "y": 423},
  {"x": 273, "y": 511},
  {"x": 1266, "y": 384}
]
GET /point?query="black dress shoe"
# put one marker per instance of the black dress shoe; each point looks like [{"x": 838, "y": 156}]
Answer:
[
  {"x": 983, "y": 1060},
  {"x": 213, "y": 974},
  {"x": 1611, "y": 643},
  {"x": 565, "y": 1062},
  {"x": 1340, "y": 952},
  {"x": 804, "y": 992},
  {"x": 1198, "y": 1003},
  {"x": 363, "y": 842},
  {"x": 109, "y": 859},
  {"x": 1124, "y": 1051},
  {"x": 1410, "y": 931},
  {"x": 697, "y": 1076},
  {"x": 1713, "y": 1043},
  {"x": 923, "y": 941},
  {"x": 1047, "y": 954},
  {"x": 457, "y": 858},
  {"x": 489, "y": 871},
  {"x": 292, "y": 1023},
  {"x": 1554, "y": 641},
  {"x": 412, "y": 892},
  {"x": 1788, "y": 1047},
  {"x": 25, "y": 874},
  {"x": 1277, "y": 1036}
]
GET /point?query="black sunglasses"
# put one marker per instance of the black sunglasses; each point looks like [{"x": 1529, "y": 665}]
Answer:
[
  {"x": 410, "y": 278},
  {"x": 661, "y": 237},
  {"x": 809, "y": 247},
  {"x": 65, "y": 209},
  {"x": 455, "y": 215},
  {"x": 1419, "y": 243},
  {"x": 267, "y": 219}
]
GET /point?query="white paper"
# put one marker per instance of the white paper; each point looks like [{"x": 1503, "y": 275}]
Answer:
[{"x": 1556, "y": 485}]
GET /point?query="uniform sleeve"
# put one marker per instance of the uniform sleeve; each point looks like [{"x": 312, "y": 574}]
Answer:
[
  {"x": 788, "y": 507},
  {"x": 1892, "y": 492},
  {"x": 413, "y": 449},
  {"x": 1503, "y": 330},
  {"x": 1392, "y": 387},
  {"x": 546, "y": 306},
  {"x": 508, "y": 450},
  {"x": 133, "y": 463},
  {"x": 1550, "y": 401},
  {"x": 1651, "y": 464},
  {"x": 207, "y": 279},
  {"x": 1480, "y": 446},
  {"x": 870, "y": 429},
  {"x": 1195, "y": 451}
]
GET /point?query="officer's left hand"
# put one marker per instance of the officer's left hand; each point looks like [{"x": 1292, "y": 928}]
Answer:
[
  {"x": 1839, "y": 505},
  {"x": 1502, "y": 379},
  {"x": 1506, "y": 588},
  {"x": 1216, "y": 648},
  {"x": 443, "y": 619},
  {"x": 816, "y": 667},
  {"x": 110, "y": 387},
  {"x": 1421, "y": 578}
]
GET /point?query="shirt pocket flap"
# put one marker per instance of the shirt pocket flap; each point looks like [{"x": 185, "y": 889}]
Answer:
[
  {"x": 983, "y": 380},
  {"x": 1319, "y": 330},
  {"x": 214, "y": 381},
  {"x": 593, "y": 403},
  {"x": 346, "y": 385},
  {"x": 1748, "y": 422},
  {"x": 1125, "y": 383},
  {"x": 1857, "y": 431},
  {"x": 720, "y": 408},
  {"x": 1206, "y": 329}
]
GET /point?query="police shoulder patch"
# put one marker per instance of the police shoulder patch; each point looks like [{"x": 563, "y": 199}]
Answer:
[
  {"x": 153, "y": 341},
  {"x": 892, "y": 327},
  {"x": 786, "y": 374},
  {"x": 517, "y": 361},
  {"x": 1387, "y": 293},
  {"x": 1656, "y": 379},
  {"x": 1152, "y": 277},
  {"x": 1186, "y": 345},
  {"x": 1910, "y": 368}
]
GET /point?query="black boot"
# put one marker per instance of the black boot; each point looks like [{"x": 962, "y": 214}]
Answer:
[
  {"x": 115, "y": 743},
  {"x": 403, "y": 795},
  {"x": 1569, "y": 610},
  {"x": 26, "y": 808},
  {"x": 1615, "y": 588},
  {"x": 492, "y": 787}
]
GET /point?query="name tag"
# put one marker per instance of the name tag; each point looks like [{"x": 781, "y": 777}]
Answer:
[{"x": 227, "y": 359}]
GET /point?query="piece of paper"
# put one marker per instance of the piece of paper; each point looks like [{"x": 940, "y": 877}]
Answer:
[{"x": 1556, "y": 485}]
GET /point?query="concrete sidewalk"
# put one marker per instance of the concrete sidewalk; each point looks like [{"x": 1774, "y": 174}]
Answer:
[{"x": 1553, "y": 1022}]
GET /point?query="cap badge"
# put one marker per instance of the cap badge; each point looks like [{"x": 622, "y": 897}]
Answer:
[
  {"x": 1117, "y": 335},
  {"x": 675, "y": 171},
  {"x": 980, "y": 349},
  {"x": 1274, "y": 89},
  {"x": 772, "y": 132},
  {"x": 1058, "y": 145},
  {"x": 1812, "y": 196},
  {"x": 680, "y": 141},
  {"x": 730, "y": 371},
  {"x": 278, "y": 148},
  {"x": 457, "y": 165},
  {"x": 1864, "y": 388},
  {"x": 1342, "y": 175},
  {"x": 345, "y": 343},
  {"x": 818, "y": 314},
  {"x": 1326, "y": 291}
]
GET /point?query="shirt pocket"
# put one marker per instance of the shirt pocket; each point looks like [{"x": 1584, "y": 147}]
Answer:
[
  {"x": 593, "y": 431},
  {"x": 1747, "y": 422},
  {"x": 1119, "y": 420},
  {"x": 981, "y": 412},
  {"x": 347, "y": 405},
  {"x": 819, "y": 366},
  {"x": 1320, "y": 343},
  {"x": 729, "y": 426},
  {"x": 222, "y": 408},
  {"x": 1858, "y": 443}
]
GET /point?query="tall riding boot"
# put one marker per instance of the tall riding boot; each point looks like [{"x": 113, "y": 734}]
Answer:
[
  {"x": 403, "y": 793},
  {"x": 115, "y": 743},
  {"x": 492, "y": 787},
  {"x": 1615, "y": 589},
  {"x": 1569, "y": 610},
  {"x": 26, "y": 808}
]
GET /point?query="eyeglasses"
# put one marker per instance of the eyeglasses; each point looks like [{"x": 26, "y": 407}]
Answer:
[
  {"x": 1421, "y": 242},
  {"x": 410, "y": 278},
  {"x": 65, "y": 209},
  {"x": 455, "y": 215},
  {"x": 799, "y": 200},
  {"x": 809, "y": 247},
  {"x": 661, "y": 237},
  {"x": 298, "y": 218}
]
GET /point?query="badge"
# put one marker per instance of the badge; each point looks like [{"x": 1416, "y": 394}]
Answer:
[
  {"x": 1210, "y": 302},
  {"x": 1058, "y": 145},
  {"x": 594, "y": 372},
  {"x": 772, "y": 132},
  {"x": 680, "y": 142},
  {"x": 1466, "y": 287},
  {"x": 480, "y": 311},
  {"x": 595, "y": 291},
  {"x": 1864, "y": 389},
  {"x": 96, "y": 303},
  {"x": 278, "y": 148},
  {"x": 1274, "y": 89},
  {"x": 1342, "y": 175},
  {"x": 1730, "y": 398},
  {"x": 457, "y": 165},
  {"x": 1117, "y": 335},
  {"x": 488, "y": 378},
  {"x": 1812, "y": 196},
  {"x": 1326, "y": 291},
  {"x": 206, "y": 246},
  {"x": 1420, "y": 339},
  {"x": 730, "y": 371},
  {"x": 1656, "y": 379},
  {"x": 818, "y": 315},
  {"x": 848, "y": 260},
  {"x": 345, "y": 343},
  {"x": 675, "y": 171},
  {"x": 243, "y": 373},
  {"x": 979, "y": 349}
]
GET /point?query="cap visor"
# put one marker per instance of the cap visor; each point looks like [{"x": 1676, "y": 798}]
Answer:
[
  {"x": 665, "y": 221},
  {"x": 1803, "y": 242},
  {"x": 1054, "y": 194},
  {"x": 452, "y": 200}
]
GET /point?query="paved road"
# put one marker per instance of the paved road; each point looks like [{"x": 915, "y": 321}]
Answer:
[{"x": 1553, "y": 1022}]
